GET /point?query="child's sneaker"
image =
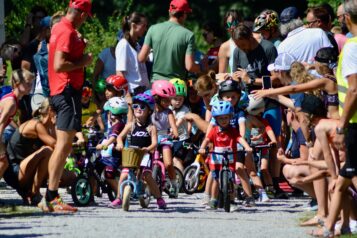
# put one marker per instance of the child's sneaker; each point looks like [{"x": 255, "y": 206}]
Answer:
[
  {"x": 173, "y": 192},
  {"x": 60, "y": 206},
  {"x": 249, "y": 202},
  {"x": 161, "y": 204},
  {"x": 212, "y": 205},
  {"x": 234, "y": 206},
  {"x": 115, "y": 204},
  {"x": 206, "y": 198},
  {"x": 45, "y": 206},
  {"x": 263, "y": 197}
]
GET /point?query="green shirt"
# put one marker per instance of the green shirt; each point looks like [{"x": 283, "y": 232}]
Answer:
[{"x": 170, "y": 43}]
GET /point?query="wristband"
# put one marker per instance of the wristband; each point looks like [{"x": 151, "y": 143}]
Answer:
[
  {"x": 252, "y": 81},
  {"x": 340, "y": 130}
]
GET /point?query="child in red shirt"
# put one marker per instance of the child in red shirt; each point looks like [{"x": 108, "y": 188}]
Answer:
[{"x": 224, "y": 138}]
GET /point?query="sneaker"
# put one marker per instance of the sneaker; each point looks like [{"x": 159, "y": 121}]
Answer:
[
  {"x": 173, "y": 192},
  {"x": 234, "y": 207},
  {"x": 116, "y": 203},
  {"x": 161, "y": 204},
  {"x": 60, "y": 206},
  {"x": 249, "y": 202},
  {"x": 280, "y": 194},
  {"x": 206, "y": 198},
  {"x": 263, "y": 197},
  {"x": 45, "y": 206},
  {"x": 270, "y": 191},
  {"x": 212, "y": 205}
]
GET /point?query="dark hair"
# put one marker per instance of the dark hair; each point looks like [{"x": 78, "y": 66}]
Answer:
[
  {"x": 326, "y": 55},
  {"x": 242, "y": 32},
  {"x": 38, "y": 8},
  {"x": 320, "y": 13},
  {"x": 135, "y": 18},
  {"x": 214, "y": 28},
  {"x": 330, "y": 10},
  {"x": 177, "y": 14},
  {"x": 235, "y": 16}
]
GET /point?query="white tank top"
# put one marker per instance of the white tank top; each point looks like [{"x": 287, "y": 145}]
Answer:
[{"x": 232, "y": 47}]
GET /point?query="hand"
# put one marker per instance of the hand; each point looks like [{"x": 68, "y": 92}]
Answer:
[
  {"x": 258, "y": 94},
  {"x": 280, "y": 155},
  {"x": 332, "y": 185},
  {"x": 120, "y": 146},
  {"x": 99, "y": 147},
  {"x": 145, "y": 149},
  {"x": 273, "y": 144},
  {"x": 242, "y": 73},
  {"x": 339, "y": 141},
  {"x": 202, "y": 151},
  {"x": 190, "y": 117},
  {"x": 80, "y": 142},
  {"x": 248, "y": 149}
]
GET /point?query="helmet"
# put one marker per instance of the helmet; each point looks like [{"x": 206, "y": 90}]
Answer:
[
  {"x": 267, "y": 20},
  {"x": 180, "y": 86},
  {"x": 163, "y": 88},
  {"x": 220, "y": 108},
  {"x": 145, "y": 98},
  {"x": 255, "y": 106},
  {"x": 228, "y": 85},
  {"x": 100, "y": 86},
  {"x": 116, "y": 105},
  {"x": 117, "y": 82},
  {"x": 243, "y": 101}
]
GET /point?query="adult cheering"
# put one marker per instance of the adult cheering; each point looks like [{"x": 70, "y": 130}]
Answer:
[
  {"x": 66, "y": 64},
  {"x": 173, "y": 45}
]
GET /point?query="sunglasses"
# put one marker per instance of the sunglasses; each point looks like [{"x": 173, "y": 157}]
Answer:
[
  {"x": 231, "y": 24},
  {"x": 136, "y": 106}
]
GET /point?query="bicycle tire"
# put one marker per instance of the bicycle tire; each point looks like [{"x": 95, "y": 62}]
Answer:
[
  {"x": 179, "y": 178},
  {"x": 157, "y": 176},
  {"x": 81, "y": 191},
  {"x": 111, "y": 194},
  {"x": 202, "y": 181},
  {"x": 145, "y": 200},
  {"x": 225, "y": 191},
  {"x": 126, "y": 197},
  {"x": 179, "y": 181},
  {"x": 190, "y": 181}
]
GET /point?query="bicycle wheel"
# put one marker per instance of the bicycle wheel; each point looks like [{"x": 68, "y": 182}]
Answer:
[
  {"x": 190, "y": 181},
  {"x": 225, "y": 190},
  {"x": 145, "y": 199},
  {"x": 202, "y": 181},
  {"x": 179, "y": 178},
  {"x": 111, "y": 194},
  {"x": 81, "y": 191},
  {"x": 157, "y": 176},
  {"x": 126, "y": 197}
]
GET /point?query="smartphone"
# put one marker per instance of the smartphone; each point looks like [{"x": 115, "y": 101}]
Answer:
[
  {"x": 1, "y": 63},
  {"x": 266, "y": 82}
]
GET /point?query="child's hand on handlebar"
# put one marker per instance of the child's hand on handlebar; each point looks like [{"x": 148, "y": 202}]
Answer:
[
  {"x": 119, "y": 146},
  {"x": 248, "y": 149},
  {"x": 202, "y": 151},
  {"x": 101, "y": 147}
]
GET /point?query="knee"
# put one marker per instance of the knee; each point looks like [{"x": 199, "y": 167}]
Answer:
[{"x": 47, "y": 150}]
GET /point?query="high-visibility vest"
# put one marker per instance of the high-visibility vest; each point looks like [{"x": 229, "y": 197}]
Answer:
[{"x": 343, "y": 84}]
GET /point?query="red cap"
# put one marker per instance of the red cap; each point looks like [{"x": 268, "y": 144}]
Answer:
[
  {"x": 83, "y": 5},
  {"x": 179, "y": 6}
]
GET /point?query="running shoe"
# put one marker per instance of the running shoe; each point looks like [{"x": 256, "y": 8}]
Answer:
[
  {"x": 206, "y": 198},
  {"x": 45, "y": 206},
  {"x": 161, "y": 204},
  {"x": 59, "y": 206},
  {"x": 234, "y": 206},
  {"x": 212, "y": 205},
  {"x": 249, "y": 202},
  {"x": 263, "y": 197},
  {"x": 115, "y": 204}
]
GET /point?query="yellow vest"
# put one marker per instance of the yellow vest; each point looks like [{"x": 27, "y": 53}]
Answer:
[
  {"x": 343, "y": 84},
  {"x": 88, "y": 112}
]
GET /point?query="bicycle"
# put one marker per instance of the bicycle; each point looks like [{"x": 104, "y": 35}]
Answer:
[
  {"x": 195, "y": 175},
  {"x": 133, "y": 186}
]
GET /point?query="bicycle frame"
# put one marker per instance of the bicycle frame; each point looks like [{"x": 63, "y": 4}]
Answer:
[{"x": 134, "y": 181}]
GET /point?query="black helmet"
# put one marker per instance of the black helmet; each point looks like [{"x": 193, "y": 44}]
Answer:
[{"x": 228, "y": 85}]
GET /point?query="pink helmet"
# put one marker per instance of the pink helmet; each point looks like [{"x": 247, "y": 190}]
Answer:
[{"x": 163, "y": 88}]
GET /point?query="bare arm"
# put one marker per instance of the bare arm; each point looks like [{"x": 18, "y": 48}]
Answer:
[
  {"x": 98, "y": 69},
  {"x": 153, "y": 139},
  {"x": 122, "y": 135},
  {"x": 173, "y": 125},
  {"x": 285, "y": 101},
  {"x": 190, "y": 64},
  {"x": 144, "y": 53},
  {"x": 43, "y": 135},
  {"x": 63, "y": 64},
  {"x": 222, "y": 58}
]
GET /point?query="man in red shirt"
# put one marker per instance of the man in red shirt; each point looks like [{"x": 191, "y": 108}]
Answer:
[{"x": 66, "y": 64}]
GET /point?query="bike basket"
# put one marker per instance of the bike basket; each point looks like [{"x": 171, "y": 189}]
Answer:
[{"x": 131, "y": 158}]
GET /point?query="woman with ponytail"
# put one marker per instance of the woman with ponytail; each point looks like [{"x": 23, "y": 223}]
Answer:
[{"x": 134, "y": 27}]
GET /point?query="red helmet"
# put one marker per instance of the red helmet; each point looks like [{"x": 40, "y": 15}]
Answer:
[{"x": 117, "y": 82}]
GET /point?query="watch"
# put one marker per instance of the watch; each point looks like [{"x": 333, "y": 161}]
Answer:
[
  {"x": 252, "y": 81},
  {"x": 340, "y": 130}
]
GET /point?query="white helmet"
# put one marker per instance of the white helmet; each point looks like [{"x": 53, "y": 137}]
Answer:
[
  {"x": 255, "y": 106},
  {"x": 116, "y": 105}
]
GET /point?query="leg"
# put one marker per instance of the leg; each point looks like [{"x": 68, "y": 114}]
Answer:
[
  {"x": 252, "y": 171},
  {"x": 4, "y": 164},
  {"x": 178, "y": 163},
  {"x": 244, "y": 179},
  {"x": 167, "y": 156},
  {"x": 154, "y": 189},
  {"x": 264, "y": 168}
]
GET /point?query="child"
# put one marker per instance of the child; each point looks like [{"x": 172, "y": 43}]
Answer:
[
  {"x": 117, "y": 109},
  {"x": 21, "y": 84},
  {"x": 224, "y": 138},
  {"x": 184, "y": 127},
  {"x": 143, "y": 135},
  {"x": 164, "y": 120}
]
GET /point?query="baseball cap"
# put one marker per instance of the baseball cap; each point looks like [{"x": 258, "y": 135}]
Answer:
[
  {"x": 282, "y": 62},
  {"x": 326, "y": 55},
  {"x": 83, "y": 5},
  {"x": 45, "y": 22},
  {"x": 288, "y": 14},
  {"x": 179, "y": 6},
  {"x": 313, "y": 105}
]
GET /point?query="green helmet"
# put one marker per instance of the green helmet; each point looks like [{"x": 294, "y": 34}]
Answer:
[
  {"x": 180, "y": 85},
  {"x": 116, "y": 105},
  {"x": 100, "y": 86}
]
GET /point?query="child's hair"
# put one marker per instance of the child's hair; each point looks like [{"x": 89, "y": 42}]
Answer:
[
  {"x": 300, "y": 75},
  {"x": 21, "y": 76},
  {"x": 206, "y": 82},
  {"x": 43, "y": 109},
  {"x": 56, "y": 17}
]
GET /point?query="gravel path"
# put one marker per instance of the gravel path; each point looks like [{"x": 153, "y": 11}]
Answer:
[{"x": 185, "y": 217}]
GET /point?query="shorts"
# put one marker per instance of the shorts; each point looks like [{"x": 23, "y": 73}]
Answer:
[
  {"x": 349, "y": 170},
  {"x": 11, "y": 175},
  {"x": 215, "y": 173},
  {"x": 110, "y": 161},
  {"x": 68, "y": 108},
  {"x": 185, "y": 155},
  {"x": 165, "y": 140},
  {"x": 274, "y": 117},
  {"x": 240, "y": 154}
]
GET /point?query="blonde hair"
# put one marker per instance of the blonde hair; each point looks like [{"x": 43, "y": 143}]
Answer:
[
  {"x": 206, "y": 82},
  {"x": 43, "y": 109},
  {"x": 300, "y": 75},
  {"x": 20, "y": 76}
]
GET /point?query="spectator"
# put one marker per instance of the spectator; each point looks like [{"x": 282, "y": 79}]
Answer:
[
  {"x": 213, "y": 36},
  {"x": 267, "y": 24},
  {"x": 173, "y": 45}
]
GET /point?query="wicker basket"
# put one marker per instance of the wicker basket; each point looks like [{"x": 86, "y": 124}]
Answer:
[{"x": 131, "y": 158}]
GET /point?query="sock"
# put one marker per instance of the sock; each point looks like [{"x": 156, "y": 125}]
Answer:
[{"x": 50, "y": 195}]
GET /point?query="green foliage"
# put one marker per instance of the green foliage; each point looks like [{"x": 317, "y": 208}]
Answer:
[{"x": 333, "y": 3}]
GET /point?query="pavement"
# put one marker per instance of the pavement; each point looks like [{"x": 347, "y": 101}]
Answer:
[{"x": 184, "y": 217}]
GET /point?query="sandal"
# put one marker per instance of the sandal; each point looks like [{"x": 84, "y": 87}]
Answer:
[{"x": 323, "y": 232}]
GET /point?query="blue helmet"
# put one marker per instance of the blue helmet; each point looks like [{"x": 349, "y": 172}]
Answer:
[
  {"x": 220, "y": 108},
  {"x": 145, "y": 98}
]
